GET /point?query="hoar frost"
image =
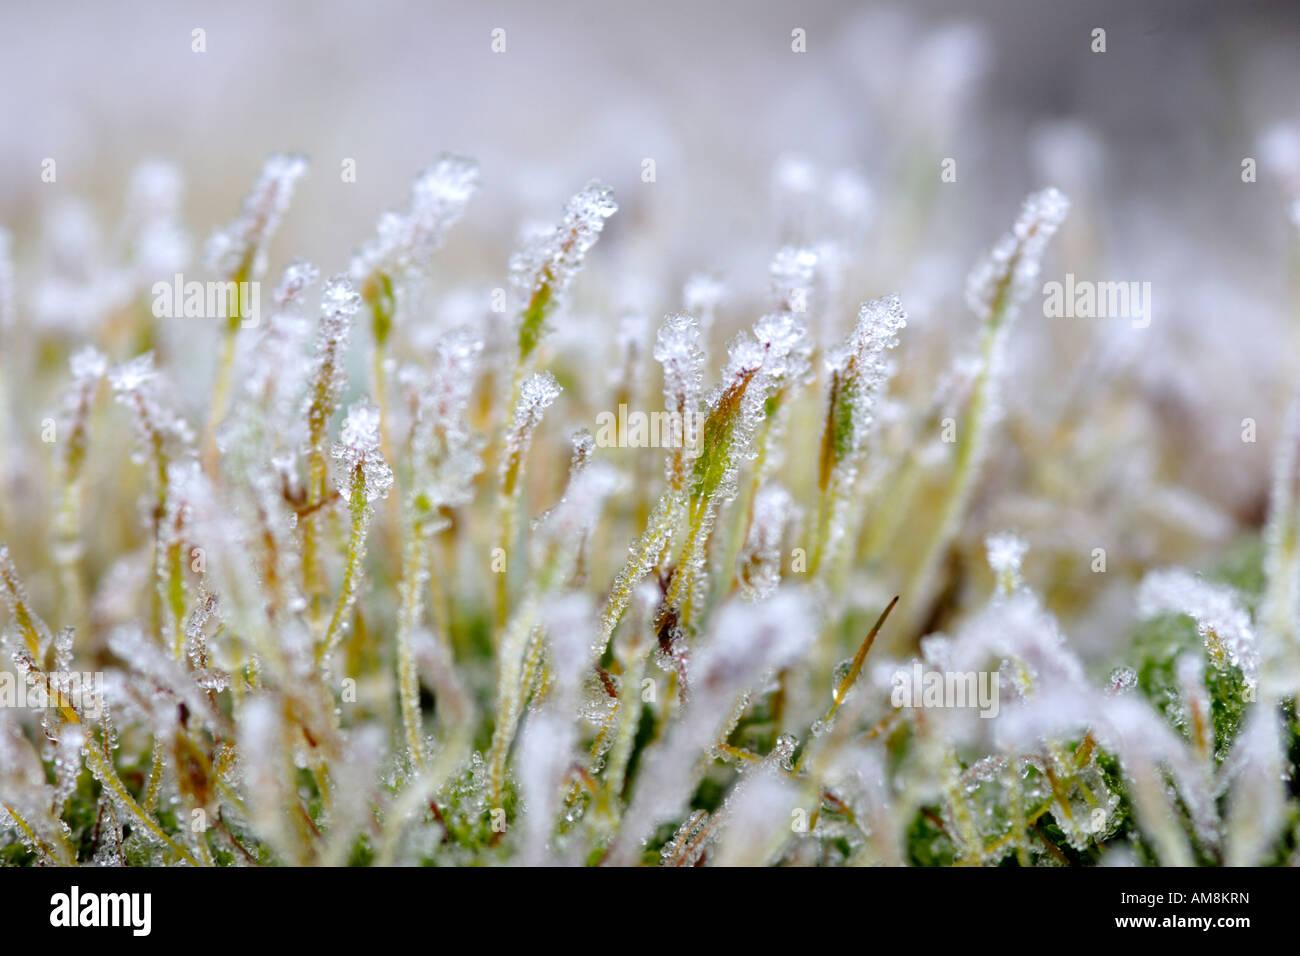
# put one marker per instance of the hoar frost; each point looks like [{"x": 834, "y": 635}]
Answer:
[
  {"x": 248, "y": 636},
  {"x": 240, "y": 249},
  {"x": 438, "y": 200},
  {"x": 358, "y": 452},
  {"x": 1006, "y": 278},
  {"x": 1220, "y": 618},
  {"x": 554, "y": 257}
]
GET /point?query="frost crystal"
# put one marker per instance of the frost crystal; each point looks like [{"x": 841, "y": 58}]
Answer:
[
  {"x": 759, "y": 567},
  {"x": 89, "y": 367},
  {"x": 240, "y": 248},
  {"x": 536, "y": 393},
  {"x": 860, "y": 366},
  {"x": 1222, "y": 622},
  {"x": 358, "y": 451},
  {"x": 998, "y": 286},
  {"x": 677, "y": 349},
  {"x": 135, "y": 386},
  {"x": 1121, "y": 681},
  {"x": 298, "y": 276},
  {"x": 339, "y": 305},
  {"x": 858, "y": 370},
  {"x": 267, "y": 424},
  {"x": 438, "y": 200},
  {"x": 758, "y": 364},
  {"x": 36, "y": 633},
  {"x": 784, "y": 340},
  {"x": 339, "y": 301},
  {"x": 550, "y": 259},
  {"x": 1006, "y": 551},
  {"x": 879, "y": 322},
  {"x": 132, "y": 376},
  {"x": 792, "y": 271},
  {"x": 88, "y": 364},
  {"x": 442, "y": 436}
]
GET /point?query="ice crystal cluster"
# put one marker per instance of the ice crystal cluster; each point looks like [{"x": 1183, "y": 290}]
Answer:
[{"x": 363, "y": 586}]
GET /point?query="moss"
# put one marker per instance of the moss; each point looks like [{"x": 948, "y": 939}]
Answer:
[{"x": 1157, "y": 646}]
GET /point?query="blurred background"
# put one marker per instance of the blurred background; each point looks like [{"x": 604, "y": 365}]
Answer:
[
  {"x": 1118, "y": 437},
  {"x": 711, "y": 91}
]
